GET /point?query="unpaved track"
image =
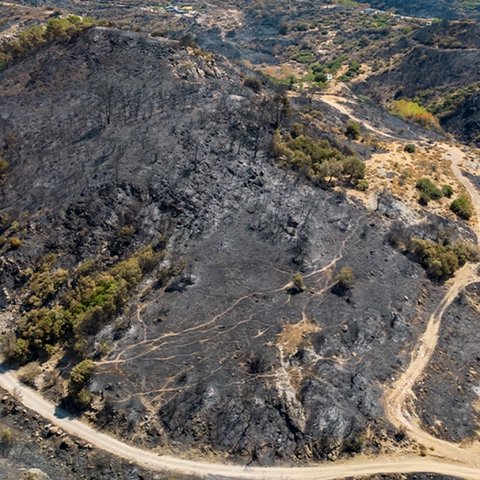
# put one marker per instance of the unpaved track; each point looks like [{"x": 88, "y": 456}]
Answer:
[
  {"x": 358, "y": 467},
  {"x": 398, "y": 403},
  {"x": 399, "y": 407}
]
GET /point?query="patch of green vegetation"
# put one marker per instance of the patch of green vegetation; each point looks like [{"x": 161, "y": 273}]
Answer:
[
  {"x": 4, "y": 165},
  {"x": 56, "y": 29},
  {"x": 442, "y": 261},
  {"x": 453, "y": 99},
  {"x": 344, "y": 280},
  {"x": 428, "y": 190},
  {"x": 352, "y": 130},
  {"x": 462, "y": 206},
  {"x": 410, "y": 148},
  {"x": 447, "y": 191},
  {"x": 354, "y": 69},
  {"x": 304, "y": 56},
  {"x": 317, "y": 74},
  {"x": 79, "y": 376},
  {"x": 61, "y": 316},
  {"x": 28, "y": 373},
  {"x": 297, "y": 283},
  {"x": 253, "y": 83},
  {"x": 362, "y": 185},
  {"x": 335, "y": 65},
  {"x": 318, "y": 160},
  {"x": 409, "y": 110}
]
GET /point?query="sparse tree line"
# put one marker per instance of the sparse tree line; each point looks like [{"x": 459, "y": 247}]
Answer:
[
  {"x": 56, "y": 29},
  {"x": 318, "y": 160}
]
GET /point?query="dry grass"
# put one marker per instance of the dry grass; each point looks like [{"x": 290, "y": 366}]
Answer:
[
  {"x": 398, "y": 171},
  {"x": 293, "y": 336}
]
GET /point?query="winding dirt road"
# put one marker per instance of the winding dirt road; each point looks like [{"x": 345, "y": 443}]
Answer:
[
  {"x": 358, "y": 467},
  {"x": 399, "y": 406},
  {"x": 443, "y": 458}
]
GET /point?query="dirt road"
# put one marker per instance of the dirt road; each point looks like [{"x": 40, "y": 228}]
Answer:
[
  {"x": 456, "y": 460},
  {"x": 357, "y": 467},
  {"x": 399, "y": 406}
]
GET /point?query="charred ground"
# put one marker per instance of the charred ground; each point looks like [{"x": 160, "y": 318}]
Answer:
[
  {"x": 117, "y": 140},
  {"x": 146, "y": 142}
]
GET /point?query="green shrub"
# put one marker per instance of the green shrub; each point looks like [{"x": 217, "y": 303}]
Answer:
[
  {"x": 441, "y": 261},
  {"x": 80, "y": 375},
  {"x": 462, "y": 206},
  {"x": 37, "y": 35},
  {"x": 423, "y": 199},
  {"x": 344, "y": 280},
  {"x": 409, "y": 110},
  {"x": 297, "y": 283},
  {"x": 362, "y": 185},
  {"x": 305, "y": 56},
  {"x": 15, "y": 349},
  {"x": 253, "y": 83},
  {"x": 352, "y": 131},
  {"x": 29, "y": 373},
  {"x": 410, "y": 148},
  {"x": 6, "y": 438},
  {"x": 93, "y": 299},
  {"x": 354, "y": 69},
  {"x": 317, "y": 159},
  {"x": 429, "y": 190},
  {"x": 353, "y": 169},
  {"x": 15, "y": 243},
  {"x": 447, "y": 191},
  {"x": 3, "y": 167}
]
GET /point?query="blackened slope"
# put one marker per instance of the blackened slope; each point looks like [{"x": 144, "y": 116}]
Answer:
[
  {"x": 115, "y": 130},
  {"x": 442, "y": 60}
]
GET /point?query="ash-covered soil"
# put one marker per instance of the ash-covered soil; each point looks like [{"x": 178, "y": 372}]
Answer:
[
  {"x": 114, "y": 130},
  {"x": 450, "y": 391}
]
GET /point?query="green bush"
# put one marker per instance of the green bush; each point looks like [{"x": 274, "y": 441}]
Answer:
[
  {"x": 79, "y": 377},
  {"x": 93, "y": 299},
  {"x": 15, "y": 243},
  {"x": 429, "y": 190},
  {"x": 3, "y": 167},
  {"x": 462, "y": 206},
  {"x": 6, "y": 438},
  {"x": 410, "y": 148},
  {"x": 253, "y": 83},
  {"x": 447, "y": 191},
  {"x": 441, "y": 261},
  {"x": 344, "y": 279},
  {"x": 352, "y": 131},
  {"x": 317, "y": 159},
  {"x": 29, "y": 373},
  {"x": 15, "y": 349},
  {"x": 362, "y": 185},
  {"x": 37, "y": 35},
  {"x": 297, "y": 283},
  {"x": 409, "y": 110},
  {"x": 353, "y": 169},
  {"x": 305, "y": 56}
]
